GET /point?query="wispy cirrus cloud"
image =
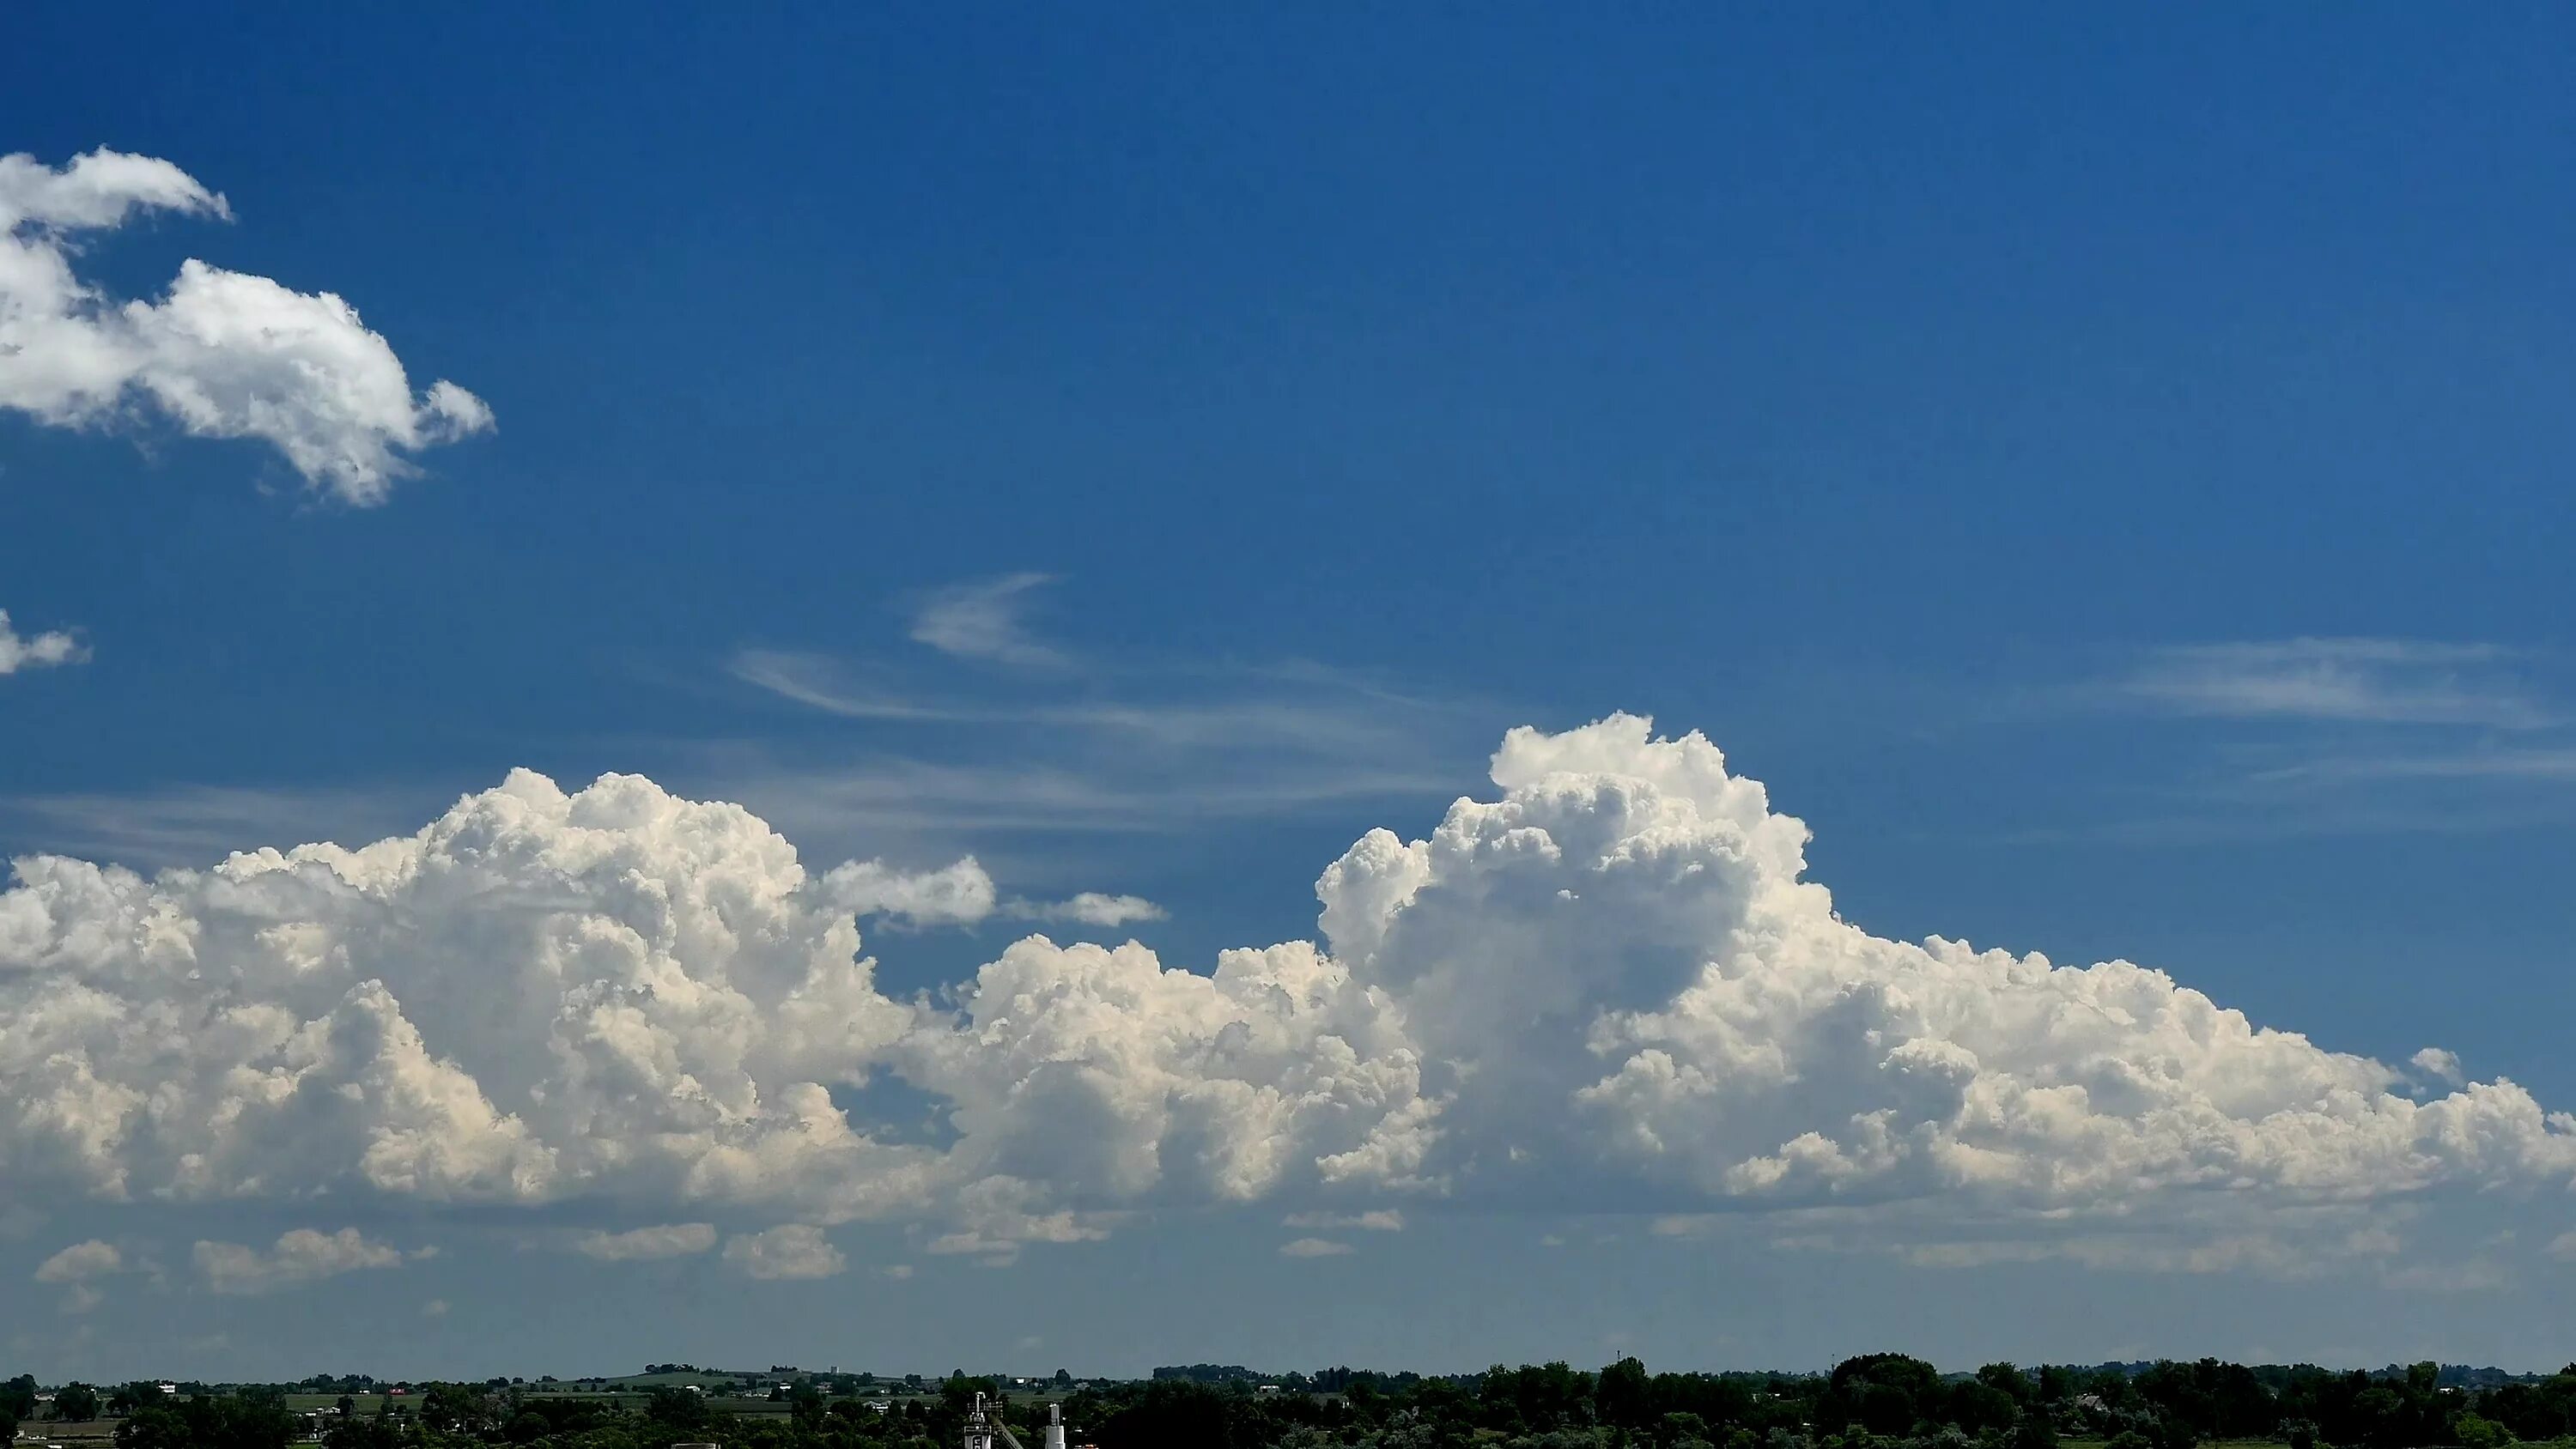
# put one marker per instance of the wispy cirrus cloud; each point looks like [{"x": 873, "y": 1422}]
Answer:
[
  {"x": 1130, "y": 749},
  {"x": 981, "y": 620},
  {"x": 2551, "y": 763},
  {"x": 2343, "y": 735},
  {"x": 197, "y": 823},
  {"x": 1308, "y": 707},
  {"x": 2364, "y": 681}
]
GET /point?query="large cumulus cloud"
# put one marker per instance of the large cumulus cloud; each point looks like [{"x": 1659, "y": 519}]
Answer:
[{"x": 1610, "y": 987}]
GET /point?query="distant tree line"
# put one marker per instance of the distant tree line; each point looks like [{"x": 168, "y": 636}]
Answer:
[{"x": 1875, "y": 1401}]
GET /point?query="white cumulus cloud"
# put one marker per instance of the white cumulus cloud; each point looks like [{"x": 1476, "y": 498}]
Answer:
[
  {"x": 1313, "y": 1248},
  {"x": 1090, "y": 908},
  {"x": 955, "y": 895},
  {"x": 669, "y": 1240},
  {"x": 2442, "y": 1065},
  {"x": 301, "y": 1256},
  {"x": 80, "y": 1262},
  {"x": 1609, "y": 987},
  {"x": 796, "y": 1250},
  {"x": 1376, "y": 1220},
  {"x": 23, "y": 651},
  {"x": 223, "y": 354}
]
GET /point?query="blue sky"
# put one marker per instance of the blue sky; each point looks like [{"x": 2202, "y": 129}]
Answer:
[{"x": 2106, "y": 478}]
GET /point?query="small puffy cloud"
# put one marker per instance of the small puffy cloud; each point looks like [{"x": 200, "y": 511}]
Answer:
[
  {"x": 20, "y": 651},
  {"x": 81, "y": 1262},
  {"x": 2563, "y": 1247},
  {"x": 2440, "y": 1065},
  {"x": 434, "y": 1308},
  {"x": 981, "y": 620},
  {"x": 959, "y": 894},
  {"x": 223, "y": 354},
  {"x": 896, "y": 1271},
  {"x": 1313, "y": 1248},
  {"x": 668, "y": 1240},
  {"x": 299, "y": 1257},
  {"x": 797, "y": 1250},
  {"x": 1090, "y": 908},
  {"x": 1379, "y": 1220}
]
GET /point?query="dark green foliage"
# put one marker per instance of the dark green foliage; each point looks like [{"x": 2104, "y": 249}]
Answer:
[
  {"x": 253, "y": 1419},
  {"x": 1884, "y": 1393},
  {"x": 678, "y": 1410},
  {"x": 2035, "y": 1429},
  {"x": 1876, "y": 1401},
  {"x": 2008, "y": 1380},
  {"x": 126, "y": 1398},
  {"x": 351, "y": 1432},
  {"x": 1623, "y": 1397}
]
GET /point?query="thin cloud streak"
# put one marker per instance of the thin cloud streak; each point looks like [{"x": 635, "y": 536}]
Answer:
[
  {"x": 1182, "y": 748},
  {"x": 1361, "y": 716},
  {"x": 194, "y": 825},
  {"x": 981, "y": 620},
  {"x": 2546, "y": 764},
  {"x": 2360, "y": 681}
]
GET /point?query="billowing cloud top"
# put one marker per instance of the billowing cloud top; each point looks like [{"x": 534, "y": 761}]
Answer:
[
  {"x": 224, "y": 355},
  {"x": 1608, "y": 988}
]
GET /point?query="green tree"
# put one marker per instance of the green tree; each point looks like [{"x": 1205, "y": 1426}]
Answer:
[
  {"x": 1977, "y": 1406},
  {"x": 127, "y": 1398},
  {"x": 677, "y": 1409},
  {"x": 805, "y": 1406},
  {"x": 1884, "y": 1393},
  {"x": 251, "y": 1420},
  {"x": 17, "y": 1401},
  {"x": 76, "y": 1403},
  {"x": 2006, "y": 1379},
  {"x": 1622, "y": 1396},
  {"x": 352, "y": 1432}
]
